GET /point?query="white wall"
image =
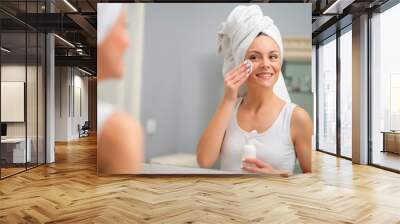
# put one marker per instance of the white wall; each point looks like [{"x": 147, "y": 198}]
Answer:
[
  {"x": 61, "y": 103},
  {"x": 68, "y": 81},
  {"x": 80, "y": 118}
]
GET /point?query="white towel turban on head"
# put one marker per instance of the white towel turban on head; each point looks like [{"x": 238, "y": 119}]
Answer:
[
  {"x": 236, "y": 34},
  {"x": 107, "y": 15}
]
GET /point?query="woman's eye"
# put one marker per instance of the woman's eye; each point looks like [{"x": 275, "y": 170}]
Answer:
[
  {"x": 253, "y": 57},
  {"x": 274, "y": 57}
]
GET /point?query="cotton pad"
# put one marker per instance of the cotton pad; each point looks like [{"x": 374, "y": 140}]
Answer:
[{"x": 249, "y": 66}]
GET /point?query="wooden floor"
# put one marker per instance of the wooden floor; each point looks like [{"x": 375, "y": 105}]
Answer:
[
  {"x": 387, "y": 159},
  {"x": 69, "y": 191},
  {"x": 10, "y": 171},
  {"x": 5, "y": 172}
]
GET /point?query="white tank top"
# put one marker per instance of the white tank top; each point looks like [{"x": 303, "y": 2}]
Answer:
[
  {"x": 274, "y": 145},
  {"x": 104, "y": 111}
]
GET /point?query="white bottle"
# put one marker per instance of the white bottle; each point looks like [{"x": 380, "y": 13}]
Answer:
[{"x": 249, "y": 149}]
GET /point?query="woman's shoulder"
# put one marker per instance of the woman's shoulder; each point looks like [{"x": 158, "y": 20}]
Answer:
[
  {"x": 301, "y": 120},
  {"x": 300, "y": 114}
]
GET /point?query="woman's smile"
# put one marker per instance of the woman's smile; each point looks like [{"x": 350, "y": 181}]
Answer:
[{"x": 264, "y": 75}]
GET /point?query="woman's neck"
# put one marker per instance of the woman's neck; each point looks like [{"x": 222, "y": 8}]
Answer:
[{"x": 259, "y": 99}]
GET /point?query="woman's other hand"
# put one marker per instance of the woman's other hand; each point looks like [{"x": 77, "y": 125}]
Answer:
[
  {"x": 233, "y": 80},
  {"x": 257, "y": 166}
]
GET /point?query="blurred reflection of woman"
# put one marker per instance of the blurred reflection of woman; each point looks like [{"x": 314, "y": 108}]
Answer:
[
  {"x": 120, "y": 138},
  {"x": 283, "y": 130}
]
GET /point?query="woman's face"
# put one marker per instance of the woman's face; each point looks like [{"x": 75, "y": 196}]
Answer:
[
  {"x": 265, "y": 56},
  {"x": 111, "y": 51}
]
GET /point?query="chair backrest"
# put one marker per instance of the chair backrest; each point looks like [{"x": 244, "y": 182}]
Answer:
[{"x": 86, "y": 125}]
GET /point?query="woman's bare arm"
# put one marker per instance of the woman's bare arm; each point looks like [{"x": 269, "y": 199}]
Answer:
[
  {"x": 120, "y": 145},
  {"x": 210, "y": 142},
  {"x": 302, "y": 130},
  {"x": 209, "y": 146}
]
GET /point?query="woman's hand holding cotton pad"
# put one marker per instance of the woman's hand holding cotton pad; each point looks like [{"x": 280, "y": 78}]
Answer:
[
  {"x": 234, "y": 79},
  {"x": 249, "y": 66}
]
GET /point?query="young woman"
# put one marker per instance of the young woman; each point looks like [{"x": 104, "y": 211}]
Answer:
[
  {"x": 120, "y": 137},
  {"x": 281, "y": 130}
]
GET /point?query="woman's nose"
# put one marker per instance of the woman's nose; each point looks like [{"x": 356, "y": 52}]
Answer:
[{"x": 265, "y": 63}]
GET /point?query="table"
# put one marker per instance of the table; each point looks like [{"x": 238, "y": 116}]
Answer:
[
  {"x": 391, "y": 141},
  {"x": 15, "y": 148},
  {"x": 152, "y": 168}
]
